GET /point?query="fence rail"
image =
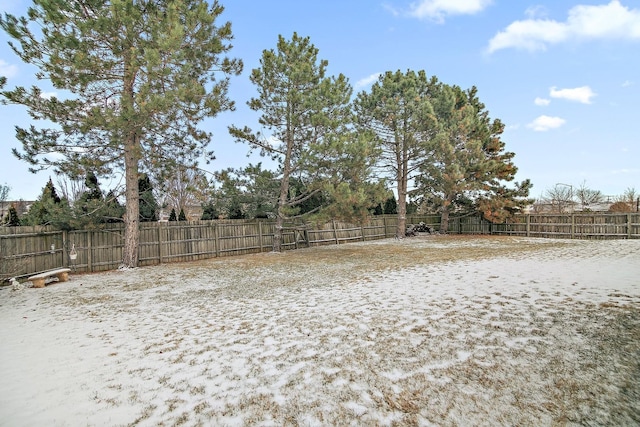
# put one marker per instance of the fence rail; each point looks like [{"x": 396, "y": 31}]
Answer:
[{"x": 29, "y": 250}]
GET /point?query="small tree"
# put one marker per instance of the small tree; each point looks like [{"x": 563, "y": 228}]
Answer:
[
  {"x": 391, "y": 206},
  {"x": 209, "y": 212},
  {"x": 587, "y": 196},
  {"x": 4, "y": 192},
  {"x": 49, "y": 209},
  {"x": 172, "y": 215},
  {"x": 560, "y": 197},
  {"x": 181, "y": 215},
  {"x": 148, "y": 203},
  {"x": 12, "y": 219}
]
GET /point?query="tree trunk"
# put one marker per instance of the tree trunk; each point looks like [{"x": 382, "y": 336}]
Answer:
[
  {"x": 401, "y": 178},
  {"x": 402, "y": 212},
  {"x": 132, "y": 213},
  {"x": 444, "y": 220}
]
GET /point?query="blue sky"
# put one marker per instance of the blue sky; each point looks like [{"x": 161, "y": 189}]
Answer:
[{"x": 564, "y": 76}]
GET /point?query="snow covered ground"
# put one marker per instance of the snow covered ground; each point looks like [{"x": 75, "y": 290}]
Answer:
[{"x": 440, "y": 330}]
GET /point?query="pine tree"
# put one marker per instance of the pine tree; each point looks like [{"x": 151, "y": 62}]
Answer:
[
  {"x": 390, "y": 206},
  {"x": 90, "y": 208},
  {"x": 12, "y": 219},
  {"x": 138, "y": 78},
  {"x": 148, "y": 204},
  {"x": 172, "y": 215},
  {"x": 468, "y": 166},
  {"x": 209, "y": 212},
  {"x": 398, "y": 110},
  {"x": 49, "y": 209},
  {"x": 308, "y": 116},
  {"x": 181, "y": 215}
]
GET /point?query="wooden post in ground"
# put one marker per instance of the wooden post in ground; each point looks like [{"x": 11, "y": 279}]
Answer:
[
  {"x": 89, "y": 252},
  {"x": 573, "y": 225},
  {"x": 65, "y": 242},
  {"x": 216, "y": 238},
  {"x": 160, "y": 243}
]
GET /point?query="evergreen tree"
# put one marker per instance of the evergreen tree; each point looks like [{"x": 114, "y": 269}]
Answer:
[
  {"x": 172, "y": 215},
  {"x": 250, "y": 192},
  {"x": 12, "y": 219},
  {"x": 114, "y": 210},
  {"x": 398, "y": 110},
  {"x": 182, "y": 216},
  {"x": 390, "y": 206},
  {"x": 148, "y": 204},
  {"x": 308, "y": 116},
  {"x": 49, "y": 209},
  {"x": 209, "y": 212},
  {"x": 468, "y": 164},
  {"x": 138, "y": 77},
  {"x": 90, "y": 208},
  {"x": 50, "y": 191}
]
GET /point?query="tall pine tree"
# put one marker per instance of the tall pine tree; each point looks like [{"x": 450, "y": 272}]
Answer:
[
  {"x": 398, "y": 110},
  {"x": 136, "y": 79},
  {"x": 469, "y": 167},
  {"x": 308, "y": 119}
]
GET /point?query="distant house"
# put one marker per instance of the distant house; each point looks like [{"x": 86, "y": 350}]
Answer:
[
  {"x": 22, "y": 207},
  {"x": 569, "y": 207}
]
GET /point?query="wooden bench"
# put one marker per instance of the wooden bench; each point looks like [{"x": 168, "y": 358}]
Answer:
[{"x": 39, "y": 280}]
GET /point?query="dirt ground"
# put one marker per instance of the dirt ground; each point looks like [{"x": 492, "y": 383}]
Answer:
[{"x": 431, "y": 330}]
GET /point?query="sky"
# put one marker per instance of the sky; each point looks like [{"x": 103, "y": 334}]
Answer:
[{"x": 562, "y": 75}]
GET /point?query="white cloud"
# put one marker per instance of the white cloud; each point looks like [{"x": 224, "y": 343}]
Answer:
[
  {"x": 48, "y": 95},
  {"x": 536, "y": 12},
  {"x": 367, "y": 81},
  {"x": 541, "y": 102},
  {"x": 610, "y": 21},
  {"x": 391, "y": 9},
  {"x": 8, "y": 70},
  {"x": 627, "y": 83},
  {"x": 580, "y": 94},
  {"x": 545, "y": 123},
  {"x": 438, "y": 9}
]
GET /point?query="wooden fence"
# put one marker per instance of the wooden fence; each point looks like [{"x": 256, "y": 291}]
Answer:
[
  {"x": 573, "y": 226},
  {"x": 29, "y": 250}
]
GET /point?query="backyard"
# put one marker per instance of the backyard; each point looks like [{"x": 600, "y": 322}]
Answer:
[{"x": 429, "y": 330}]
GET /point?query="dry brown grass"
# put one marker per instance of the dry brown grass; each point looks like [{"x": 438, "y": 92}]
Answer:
[{"x": 357, "y": 335}]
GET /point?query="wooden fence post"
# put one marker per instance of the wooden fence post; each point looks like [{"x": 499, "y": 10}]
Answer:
[
  {"x": 260, "y": 241},
  {"x": 65, "y": 252},
  {"x": 216, "y": 238},
  {"x": 89, "y": 252},
  {"x": 335, "y": 232},
  {"x": 528, "y": 228},
  {"x": 629, "y": 226},
  {"x": 160, "y": 243},
  {"x": 573, "y": 225}
]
